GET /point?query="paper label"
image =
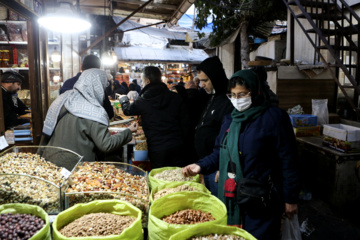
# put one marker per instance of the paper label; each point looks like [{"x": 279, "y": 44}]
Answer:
[
  {"x": 66, "y": 173},
  {"x": 3, "y": 143}
]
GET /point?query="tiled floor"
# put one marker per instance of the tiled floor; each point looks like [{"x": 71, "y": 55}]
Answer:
[{"x": 326, "y": 225}]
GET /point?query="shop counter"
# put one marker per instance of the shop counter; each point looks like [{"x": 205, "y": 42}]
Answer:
[{"x": 330, "y": 175}]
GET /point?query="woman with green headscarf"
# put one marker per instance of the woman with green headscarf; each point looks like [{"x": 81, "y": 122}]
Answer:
[{"x": 256, "y": 142}]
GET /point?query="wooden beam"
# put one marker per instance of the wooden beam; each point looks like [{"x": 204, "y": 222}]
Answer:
[{"x": 114, "y": 28}]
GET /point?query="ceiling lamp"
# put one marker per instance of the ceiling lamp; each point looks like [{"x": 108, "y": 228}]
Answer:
[{"x": 64, "y": 20}]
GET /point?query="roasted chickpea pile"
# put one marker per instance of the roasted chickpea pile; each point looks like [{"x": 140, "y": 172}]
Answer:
[{"x": 217, "y": 237}]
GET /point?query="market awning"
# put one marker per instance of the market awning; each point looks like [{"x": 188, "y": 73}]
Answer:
[
  {"x": 128, "y": 25},
  {"x": 173, "y": 54}
]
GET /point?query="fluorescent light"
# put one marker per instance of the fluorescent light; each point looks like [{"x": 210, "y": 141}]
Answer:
[{"x": 64, "y": 20}]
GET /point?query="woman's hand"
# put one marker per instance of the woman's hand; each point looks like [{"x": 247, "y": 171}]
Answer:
[
  {"x": 291, "y": 209},
  {"x": 191, "y": 170},
  {"x": 133, "y": 127}
]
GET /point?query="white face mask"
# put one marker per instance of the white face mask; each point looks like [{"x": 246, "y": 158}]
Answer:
[{"x": 241, "y": 104}]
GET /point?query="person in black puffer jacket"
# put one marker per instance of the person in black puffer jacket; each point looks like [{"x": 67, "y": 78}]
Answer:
[
  {"x": 164, "y": 119},
  {"x": 214, "y": 81}
]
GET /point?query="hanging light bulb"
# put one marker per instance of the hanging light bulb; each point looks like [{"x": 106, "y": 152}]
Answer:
[{"x": 64, "y": 20}]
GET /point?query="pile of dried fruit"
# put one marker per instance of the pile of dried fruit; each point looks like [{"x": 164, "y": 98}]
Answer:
[
  {"x": 217, "y": 237},
  {"x": 141, "y": 146},
  {"x": 166, "y": 191},
  {"x": 174, "y": 175},
  {"x": 19, "y": 226},
  {"x": 188, "y": 216},
  {"x": 97, "y": 176},
  {"x": 97, "y": 224}
]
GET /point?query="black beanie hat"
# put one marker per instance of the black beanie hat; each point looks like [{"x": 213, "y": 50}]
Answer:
[
  {"x": 213, "y": 68},
  {"x": 11, "y": 77}
]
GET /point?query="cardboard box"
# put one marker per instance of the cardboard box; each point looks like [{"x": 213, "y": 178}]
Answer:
[
  {"x": 341, "y": 137},
  {"x": 307, "y": 131},
  {"x": 303, "y": 120}
]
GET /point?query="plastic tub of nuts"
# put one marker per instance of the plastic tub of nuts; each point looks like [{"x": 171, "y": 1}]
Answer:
[
  {"x": 36, "y": 175},
  {"x": 97, "y": 220},
  {"x": 173, "y": 187},
  {"x": 214, "y": 232},
  {"x": 160, "y": 176},
  {"x": 31, "y": 222},
  {"x": 179, "y": 211},
  {"x": 109, "y": 180}
]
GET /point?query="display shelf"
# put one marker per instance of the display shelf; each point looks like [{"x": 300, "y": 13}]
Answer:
[
  {"x": 15, "y": 68},
  {"x": 13, "y": 42},
  {"x": 13, "y": 21},
  {"x": 54, "y": 69}
]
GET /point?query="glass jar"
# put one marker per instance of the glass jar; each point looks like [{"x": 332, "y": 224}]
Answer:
[{"x": 5, "y": 58}]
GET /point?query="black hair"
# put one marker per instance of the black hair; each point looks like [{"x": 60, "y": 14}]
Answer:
[
  {"x": 91, "y": 61},
  {"x": 237, "y": 81},
  {"x": 132, "y": 87},
  {"x": 153, "y": 74},
  {"x": 11, "y": 76}
]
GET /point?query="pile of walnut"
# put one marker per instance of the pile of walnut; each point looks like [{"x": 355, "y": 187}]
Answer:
[
  {"x": 188, "y": 216},
  {"x": 166, "y": 191},
  {"x": 217, "y": 237},
  {"x": 97, "y": 224},
  {"x": 174, "y": 175}
]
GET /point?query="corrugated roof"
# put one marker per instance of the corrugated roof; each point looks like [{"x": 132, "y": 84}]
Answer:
[
  {"x": 143, "y": 54},
  {"x": 127, "y": 25}
]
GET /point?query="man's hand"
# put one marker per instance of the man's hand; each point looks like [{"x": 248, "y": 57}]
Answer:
[
  {"x": 191, "y": 170},
  {"x": 133, "y": 127}
]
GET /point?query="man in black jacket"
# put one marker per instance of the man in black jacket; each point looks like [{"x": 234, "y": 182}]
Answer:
[
  {"x": 13, "y": 107},
  {"x": 214, "y": 81},
  {"x": 164, "y": 119}
]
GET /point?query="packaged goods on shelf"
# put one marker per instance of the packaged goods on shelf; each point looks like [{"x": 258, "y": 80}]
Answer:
[
  {"x": 303, "y": 120},
  {"x": 36, "y": 175},
  {"x": 341, "y": 137},
  {"x": 307, "y": 131}
]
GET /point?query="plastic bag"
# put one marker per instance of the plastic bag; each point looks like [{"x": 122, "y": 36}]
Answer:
[
  {"x": 203, "y": 230},
  {"x": 156, "y": 182},
  {"x": 169, "y": 204},
  {"x": 44, "y": 233},
  {"x": 291, "y": 229},
  {"x": 105, "y": 206},
  {"x": 320, "y": 109},
  {"x": 198, "y": 186}
]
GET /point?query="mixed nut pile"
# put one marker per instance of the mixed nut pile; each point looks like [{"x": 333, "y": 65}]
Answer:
[
  {"x": 19, "y": 226},
  {"x": 141, "y": 146},
  {"x": 97, "y": 224},
  {"x": 217, "y": 237},
  {"x": 188, "y": 216},
  {"x": 173, "y": 175},
  {"x": 23, "y": 189},
  {"x": 166, "y": 191}
]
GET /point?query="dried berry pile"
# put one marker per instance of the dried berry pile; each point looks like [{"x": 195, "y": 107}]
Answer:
[
  {"x": 217, "y": 237},
  {"x": 19, "y": 226},
  {"x": 97, "y": 224},
  {"x": 174, "y": 175},
  {"x": 188, "y": 216},
  {"x": 181, "y": 188}
]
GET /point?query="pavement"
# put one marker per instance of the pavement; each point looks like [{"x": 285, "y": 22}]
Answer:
[{"x": 319, "y": 222}]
